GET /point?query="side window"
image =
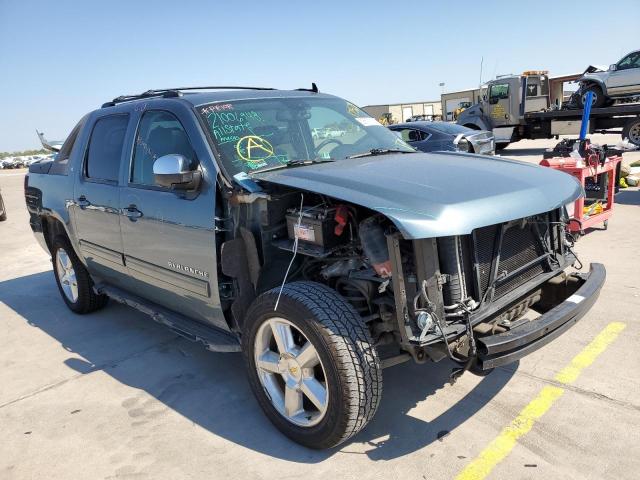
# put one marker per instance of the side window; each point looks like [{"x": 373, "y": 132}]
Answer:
[
  {"x": 498, "y": 91},
  {"x": 159, "y": 133},
  {"x": 105, "y": 148},
  {"x": 630, "y": 61},
  {"x": 410, "y": 135},
  {"x": 60, "y": 164}
]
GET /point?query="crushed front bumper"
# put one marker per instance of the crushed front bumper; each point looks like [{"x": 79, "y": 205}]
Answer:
[{"x": 507, "y": 347}]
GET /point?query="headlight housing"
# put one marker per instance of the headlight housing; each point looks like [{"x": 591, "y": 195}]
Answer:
[{"x": 463, "y": 144}]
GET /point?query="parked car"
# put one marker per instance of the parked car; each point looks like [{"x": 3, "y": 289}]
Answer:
[
  {"x": 443, "y": 136},
  {"x": 3, "y": 210},
  {"x": 420, "y": 118},
  {"x": 17, "y": 162},
  {"x": 322, "y": 260},
  {"x": 620, "y": 80}
]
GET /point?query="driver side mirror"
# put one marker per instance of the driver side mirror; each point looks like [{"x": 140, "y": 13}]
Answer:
[
  {"x": 613, "y": 67},
  {"x": 174, "y": 171}
]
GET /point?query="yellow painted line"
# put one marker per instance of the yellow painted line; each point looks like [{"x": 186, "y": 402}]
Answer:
[
  {"x": 502, "y": 445},
  {"x": 570, "y": 373}
]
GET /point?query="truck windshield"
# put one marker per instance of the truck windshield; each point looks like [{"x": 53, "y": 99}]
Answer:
[{"x": 257, "y": 134}]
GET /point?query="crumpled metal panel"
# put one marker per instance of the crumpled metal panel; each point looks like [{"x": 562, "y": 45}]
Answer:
[{"x": 430, "y": 195}]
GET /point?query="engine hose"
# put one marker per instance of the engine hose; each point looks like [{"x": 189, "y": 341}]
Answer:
[{"x": 472, "y": 343}]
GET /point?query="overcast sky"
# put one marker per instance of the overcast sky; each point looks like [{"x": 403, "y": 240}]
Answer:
[{"x": 62, "y": 59}]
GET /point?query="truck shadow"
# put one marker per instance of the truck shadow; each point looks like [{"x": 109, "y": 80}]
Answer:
[
  {"x": 515, "y": 152},
  {"x": 210, "y": 389},
  {"x": 630, "y": 196}
]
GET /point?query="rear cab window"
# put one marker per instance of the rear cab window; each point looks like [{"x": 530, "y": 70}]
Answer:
[
  {"x": 102, "y": 161},
  {"x": 60, "y": 165}
]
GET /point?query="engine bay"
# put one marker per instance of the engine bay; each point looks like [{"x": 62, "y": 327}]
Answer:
[{"x": 426, "y": 296}]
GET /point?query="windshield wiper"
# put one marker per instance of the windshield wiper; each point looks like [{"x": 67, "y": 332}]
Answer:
[
  {"x": 292, "y": 163},
  {"x": 379, "y": 151}
]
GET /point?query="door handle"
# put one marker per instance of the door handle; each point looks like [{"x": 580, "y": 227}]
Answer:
[
  {"x": 83, "y": 202},
  {"x": 132, "y": 212}
]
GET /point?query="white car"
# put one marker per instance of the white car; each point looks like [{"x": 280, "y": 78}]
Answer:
[{"x": 620, "y": 80}]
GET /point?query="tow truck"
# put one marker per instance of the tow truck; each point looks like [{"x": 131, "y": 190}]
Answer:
[{"x": 517, "y": 107}]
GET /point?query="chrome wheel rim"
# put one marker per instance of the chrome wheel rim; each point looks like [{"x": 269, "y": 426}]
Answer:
[
  {"x": 291, "y": 372},
  {"x": 634, "y": 133},
  {"x": 67, "y": 275},
  {"x": 594, "y": 99}
]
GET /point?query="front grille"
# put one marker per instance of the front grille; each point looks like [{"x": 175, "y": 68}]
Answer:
[
  {"x": 484, "y": 244},
  {"x": 521, "y": 245}
]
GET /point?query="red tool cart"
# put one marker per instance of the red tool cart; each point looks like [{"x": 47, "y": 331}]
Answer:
[{"x": 597, "y": 175}]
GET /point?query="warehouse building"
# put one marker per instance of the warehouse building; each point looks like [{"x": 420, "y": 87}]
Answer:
[{"x": 400, "y": 112}]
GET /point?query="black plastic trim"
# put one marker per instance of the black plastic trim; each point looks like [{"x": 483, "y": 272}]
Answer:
[{"x": 507, "y": 347}]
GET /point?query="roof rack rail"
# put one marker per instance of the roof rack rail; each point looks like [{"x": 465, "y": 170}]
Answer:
[
  {"x": 173, "y": 92},
  {"x": 314, "y": 89},
  {"x": 176, "y": 92}
]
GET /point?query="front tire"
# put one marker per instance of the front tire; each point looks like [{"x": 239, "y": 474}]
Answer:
[
  {"x": 598, "y": 96},
  {"x": 74, "y": 283},
  {"x": 311, "y": 364}
]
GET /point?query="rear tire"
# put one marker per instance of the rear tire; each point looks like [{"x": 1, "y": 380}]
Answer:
[
  {"x": 345, "y": 367},
  {"x": 73, "y": 279},
  {"x": 631, "y": 131}
]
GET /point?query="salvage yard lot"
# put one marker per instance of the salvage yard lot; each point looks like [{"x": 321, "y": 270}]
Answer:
[{"x": 114, "y": 395}]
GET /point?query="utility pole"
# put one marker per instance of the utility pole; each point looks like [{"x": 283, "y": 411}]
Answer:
[{"x": 481, "y": 62}]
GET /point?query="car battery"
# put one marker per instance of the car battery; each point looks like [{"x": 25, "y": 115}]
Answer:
[{"x": 314, "y": 227}]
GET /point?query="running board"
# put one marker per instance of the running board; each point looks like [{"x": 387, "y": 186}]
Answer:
[{"x": 212, "y": 338}]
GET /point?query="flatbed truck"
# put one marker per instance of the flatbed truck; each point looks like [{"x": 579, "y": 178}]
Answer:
[{"x": 517, "y": 107}]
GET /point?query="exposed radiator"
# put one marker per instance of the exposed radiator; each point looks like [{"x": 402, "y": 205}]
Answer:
[{"x": 522, "y": 244}]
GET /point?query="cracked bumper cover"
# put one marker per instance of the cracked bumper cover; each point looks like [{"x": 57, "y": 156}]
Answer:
[{"x": 507, "y": 347}]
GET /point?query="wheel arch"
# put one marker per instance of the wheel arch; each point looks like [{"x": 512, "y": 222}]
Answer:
[
  {"x": 53, "y": 227},
  {"x": 591, "y": 82}
]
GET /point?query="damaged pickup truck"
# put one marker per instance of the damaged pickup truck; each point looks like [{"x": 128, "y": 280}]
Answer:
[{"x": 322, "y": 258}]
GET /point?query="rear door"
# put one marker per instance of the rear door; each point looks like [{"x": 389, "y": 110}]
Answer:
[
  {"x": 97, "y": 197},
  {"x": 169, "y": 238}
]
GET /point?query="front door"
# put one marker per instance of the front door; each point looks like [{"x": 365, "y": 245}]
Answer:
[
  {"x": 169, "y": 238},
  {"x": 500, "y": 104},
  {"x": 626, "y": 78},
  {"x": 417, "y": 139},
  {"x": 96, "y": 200}
]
